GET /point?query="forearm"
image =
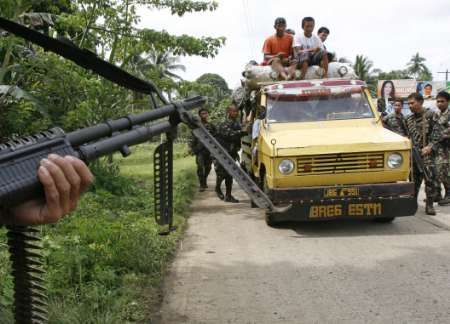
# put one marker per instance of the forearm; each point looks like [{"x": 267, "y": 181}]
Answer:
[{"x": 268, "y": 57}]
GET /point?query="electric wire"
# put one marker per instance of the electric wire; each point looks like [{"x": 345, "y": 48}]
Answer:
[{"x": 248, "y": 27}]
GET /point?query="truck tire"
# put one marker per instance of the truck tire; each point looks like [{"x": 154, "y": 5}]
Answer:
[
  {"x": 384, "y": 220},
  {"x": 252, "y": 204},
  {"x": 269, "y": 221},
  {"x": 268, "y": 218}
]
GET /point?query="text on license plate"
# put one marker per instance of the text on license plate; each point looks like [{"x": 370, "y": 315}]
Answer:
[
  {"x": 359, "y": 209},
  {"x": 341, "y": 192}
]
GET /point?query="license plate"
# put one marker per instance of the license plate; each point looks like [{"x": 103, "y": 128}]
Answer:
[
  {"x": 348, "y": 209},
  {"x": 341, "y": 192}
]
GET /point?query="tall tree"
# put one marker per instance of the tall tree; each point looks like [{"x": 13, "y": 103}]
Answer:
[
  {"x": 217, "y": 82},
  {"x": 416, "y": 67},
  {"x": 164, "y": 63},
  {"x": 362, "y": 67}
]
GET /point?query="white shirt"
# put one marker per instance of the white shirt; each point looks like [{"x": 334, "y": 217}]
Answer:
[
  {"x": 307, "y": 42},
  {"x": 255, "y": 129}
]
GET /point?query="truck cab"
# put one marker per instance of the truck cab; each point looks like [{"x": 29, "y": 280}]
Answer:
[{"x": 319, "y": 146}]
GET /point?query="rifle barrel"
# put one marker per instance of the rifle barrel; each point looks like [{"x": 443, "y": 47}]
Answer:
[
  {"x": 90, "y": 152},
  {"x": 85, "y": 135}
]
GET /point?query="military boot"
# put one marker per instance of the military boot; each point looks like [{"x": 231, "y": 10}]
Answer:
[
  {"x": 437, "y": 197},
  {"x": 202, "y": 184},
  {"x": 446, "y": 200},
  {"x": 218, "y": 190},
  {"x": 429, "y": 209},
  {"x": 229, "y": 186}
]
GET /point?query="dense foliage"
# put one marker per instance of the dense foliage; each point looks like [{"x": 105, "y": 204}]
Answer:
[{"x": 39, "y": 89}]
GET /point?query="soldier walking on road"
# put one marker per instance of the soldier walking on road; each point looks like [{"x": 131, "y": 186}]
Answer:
[
  {"x": 395, "y": 121},
  {"x": 202, "y": 156},
  {"x": 442, "y": 157},
  {"x": 229, "y": 135},
  {"x": 424, "y": 131}
]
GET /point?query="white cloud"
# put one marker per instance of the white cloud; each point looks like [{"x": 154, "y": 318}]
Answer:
[{"x": 389, "y": 32}]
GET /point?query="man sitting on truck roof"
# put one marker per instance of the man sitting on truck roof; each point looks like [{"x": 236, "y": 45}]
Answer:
[
  {"x": 278, "y": 51},
  {"x": 323, "y": 33},
  {"x": 309, "y": 48}
]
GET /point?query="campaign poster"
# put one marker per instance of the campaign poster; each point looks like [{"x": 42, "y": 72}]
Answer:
[
  {"x": 396, "y": 88},
  {"x": 429, "y": 89}
]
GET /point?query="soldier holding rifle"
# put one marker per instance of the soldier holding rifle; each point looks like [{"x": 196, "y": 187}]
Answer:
[
  {"x": 442, "y": 156},
  {"x": 229, "y": 135},
  {"x": 425, "y": 133},
  {"x": 203, "y": 157}
]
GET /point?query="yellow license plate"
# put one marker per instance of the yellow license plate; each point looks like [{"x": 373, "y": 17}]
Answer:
[
  {"x": 341, "y": 192},
  {"x": 348, "y": 209}
]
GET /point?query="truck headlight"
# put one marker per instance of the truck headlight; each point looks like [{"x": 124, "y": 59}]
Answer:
[
  {"x": 394, "y": 161},
  {"x": 286, "y": 166}
]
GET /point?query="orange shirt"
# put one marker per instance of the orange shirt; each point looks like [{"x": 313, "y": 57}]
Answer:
[{"x": 274, "y": 45}]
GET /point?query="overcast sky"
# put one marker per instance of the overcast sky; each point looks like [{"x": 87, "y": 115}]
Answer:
[{"x": 389, "y": 32}]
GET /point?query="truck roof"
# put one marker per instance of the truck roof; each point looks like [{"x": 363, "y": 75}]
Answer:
[
  {"x": 280, "y": 85},
  {"x": 294, "y": 90}
]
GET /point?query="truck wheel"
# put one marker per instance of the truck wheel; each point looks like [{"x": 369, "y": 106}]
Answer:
[
  {"x": 269, "y": 221},
  {"x": 384, "y": 220},
  {"x": 268, "y": 218},
  {"x": 252, "y": 204}
]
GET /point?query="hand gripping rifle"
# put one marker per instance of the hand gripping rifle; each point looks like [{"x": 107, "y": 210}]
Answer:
[
  {"x": 420, "y": 165},
  {"x": 417, "y": 156},
  {"x": 20, "y": 158}
]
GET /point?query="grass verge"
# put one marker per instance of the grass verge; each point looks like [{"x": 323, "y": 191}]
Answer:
[{"x": 105, "y": 261}]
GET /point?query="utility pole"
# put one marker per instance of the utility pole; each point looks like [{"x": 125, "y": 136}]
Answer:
[{"x": 446, "y": 74}]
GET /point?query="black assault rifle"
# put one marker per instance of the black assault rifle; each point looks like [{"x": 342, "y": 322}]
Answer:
[{"x": 420, "y": 165}]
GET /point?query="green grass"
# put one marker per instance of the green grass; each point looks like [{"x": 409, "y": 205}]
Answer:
[{"x": 105, "y": 261}]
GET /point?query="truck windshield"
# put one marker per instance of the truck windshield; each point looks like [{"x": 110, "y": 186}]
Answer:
[{"x": 326, "y": 106}]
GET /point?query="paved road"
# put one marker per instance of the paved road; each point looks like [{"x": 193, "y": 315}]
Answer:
[{"x": 232, "y": 268}]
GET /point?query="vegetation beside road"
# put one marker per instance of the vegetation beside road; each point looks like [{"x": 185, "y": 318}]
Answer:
[{"x": 106, "y": 260}]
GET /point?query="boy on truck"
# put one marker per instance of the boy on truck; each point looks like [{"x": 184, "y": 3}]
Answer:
[
  {"x": 309, "y": 49},
  {"x": 278, "y": 52}
]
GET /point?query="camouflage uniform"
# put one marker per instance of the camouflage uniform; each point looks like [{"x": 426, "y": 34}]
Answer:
[
  {"x": 442, "y": 153},
  {"x": 423, "y": 129},
  {"x": 229, "y": 135},
  {"x": 202, "y": 156},
  {"x": 395, "y": 123}
]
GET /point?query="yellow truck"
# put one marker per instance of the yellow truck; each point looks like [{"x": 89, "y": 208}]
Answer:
[{"x": 319, "y": 146}]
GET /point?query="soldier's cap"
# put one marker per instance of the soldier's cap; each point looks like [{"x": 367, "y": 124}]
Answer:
[{"x": 280, "y": 21}]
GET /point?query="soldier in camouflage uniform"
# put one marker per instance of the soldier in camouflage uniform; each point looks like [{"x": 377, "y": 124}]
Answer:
[
  {"x": 424, "y": 131},
  {"x": 202, "y": 156},
  {"x": 396, "y": 121},
  {"x": 442, "y": 157},
  {"x": 229, "y": 135}
]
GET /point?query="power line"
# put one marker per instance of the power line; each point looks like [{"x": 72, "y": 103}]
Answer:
[
  {"x": 252, "y": 28},
  {"x": 247, "y": 25}
]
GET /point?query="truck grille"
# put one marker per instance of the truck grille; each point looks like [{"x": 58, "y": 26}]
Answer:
[{"x": 340, "y": 163}]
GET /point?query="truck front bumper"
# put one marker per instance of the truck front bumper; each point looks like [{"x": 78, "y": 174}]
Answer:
[{"x": 344, "y": 202}]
